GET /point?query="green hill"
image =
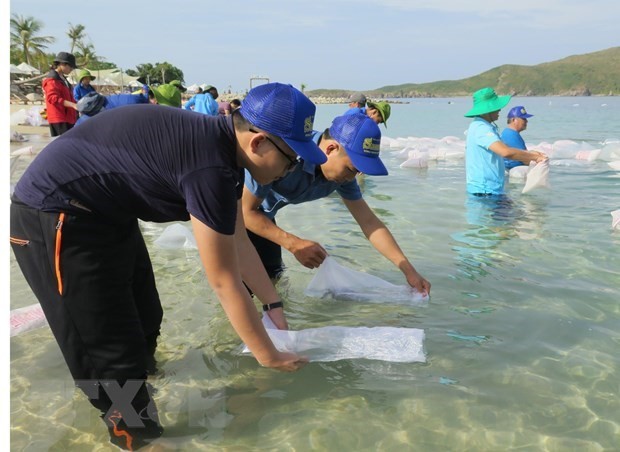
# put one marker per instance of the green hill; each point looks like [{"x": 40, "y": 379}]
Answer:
[{"x": 596, "y": 73}]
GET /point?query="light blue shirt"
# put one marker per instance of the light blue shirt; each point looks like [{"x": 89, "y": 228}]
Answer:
[
  {"x": 301, "y": 185},
  {"x": 513, "y": 139},
  {"x": 484, "y": 168},
  {"x": 202, "y": 103}
]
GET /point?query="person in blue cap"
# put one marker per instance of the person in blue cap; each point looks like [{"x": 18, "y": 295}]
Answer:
[
  {"x": 485, "y": 151},
  {"x": 75, "y": 235},
  {"x": 351, "y": 146},
  {"x": 511, "y": 135}
]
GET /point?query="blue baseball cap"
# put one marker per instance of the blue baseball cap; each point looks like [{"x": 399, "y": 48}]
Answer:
[
  {"x": 361, "y": 139},
  {"x": 519, "y": 112},
  {"x": 286, "y": 112}
]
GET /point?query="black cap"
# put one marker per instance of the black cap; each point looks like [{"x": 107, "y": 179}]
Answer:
[{"x": 65, "y": 57}]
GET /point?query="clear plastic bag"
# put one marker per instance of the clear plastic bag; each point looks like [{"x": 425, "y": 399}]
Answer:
[
  {"x": 335, "y": 281},
  {"x": 176, "y": 236}
]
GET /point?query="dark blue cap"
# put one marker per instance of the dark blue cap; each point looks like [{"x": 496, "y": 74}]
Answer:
[{"x": 519, "y": 112}]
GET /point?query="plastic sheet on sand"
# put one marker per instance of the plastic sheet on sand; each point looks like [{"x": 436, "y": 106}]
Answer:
[
  {"x": 333, "y": 343},
  {"x": 336, "y": 281}
]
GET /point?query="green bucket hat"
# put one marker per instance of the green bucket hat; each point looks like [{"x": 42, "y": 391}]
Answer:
[
  {"x": 487, "y": 101},
  {"x": 167, "y": 95},
  {"x": 85, "y": 73},
  {"x": 178, "y": 85},
  {"x": 384, "y": 110}
]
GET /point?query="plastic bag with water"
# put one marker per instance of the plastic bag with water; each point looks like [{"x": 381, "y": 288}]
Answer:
[{"x": 336, "y": 281}]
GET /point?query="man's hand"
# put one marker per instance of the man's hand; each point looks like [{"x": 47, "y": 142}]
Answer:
[
  {"x": 286, "y": 362},
  {"x": 416, "y": 281},
  {"x": 309, "y": 254},
  {"x": 540, "y": 157}
]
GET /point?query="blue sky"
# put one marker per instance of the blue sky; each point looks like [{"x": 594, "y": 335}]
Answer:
[{"x": 354, "y": 44}]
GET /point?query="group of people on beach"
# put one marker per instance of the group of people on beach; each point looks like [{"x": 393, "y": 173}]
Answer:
[
  {"x": 67, "y": 106},
  {"x": 75, "y": 211}
]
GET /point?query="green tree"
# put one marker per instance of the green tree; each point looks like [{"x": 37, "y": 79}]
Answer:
[
  {"x": 24, "y": 36},
  {"x": 158, "y": 73},
  {"x": 76, "y": 35},
  {"x": 86, "y": 55}
]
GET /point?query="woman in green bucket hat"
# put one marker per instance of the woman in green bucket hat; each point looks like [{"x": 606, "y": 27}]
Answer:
[
  {"x": 485, "y": 151},
  {"x": 166, "y": 94},
  {"x": 83, "y": 86}
]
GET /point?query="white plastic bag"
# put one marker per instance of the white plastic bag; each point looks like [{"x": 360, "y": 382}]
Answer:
[
  {"x": 518, "y": 173},
  {"x": 333, "y": 343},
  {"x": 615, "y": 219},
  {"x": 176, "y": 236},
  {"x": 334, "y": 280},
  {"x": 537, "y": 177}
]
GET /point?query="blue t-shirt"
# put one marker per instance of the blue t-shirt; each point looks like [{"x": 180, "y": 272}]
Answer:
[
  {"x": 150, "y": 162},
  {"x": 80, "y": 91},
  {"x": 115, "y": 101},
  {"x": 355, "y": 111},
  {"x": 513, "y": 139},
  {"x": 484, "y": 168},
  {"x": 120, "y": 100},
  {"x": 301, "y": 185}
]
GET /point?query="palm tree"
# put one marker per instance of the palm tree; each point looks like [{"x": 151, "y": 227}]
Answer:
[
  {"x": 76, "y": 35},
  {"x": 86, "y": 54},
  {"x": 24, "y": 32}
]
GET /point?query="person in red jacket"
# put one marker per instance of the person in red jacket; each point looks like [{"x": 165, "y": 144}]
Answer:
[{"x": 59, "y": 101}]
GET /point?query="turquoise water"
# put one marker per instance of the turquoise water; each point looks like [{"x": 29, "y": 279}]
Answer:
[{"x": 522, "y": 329}]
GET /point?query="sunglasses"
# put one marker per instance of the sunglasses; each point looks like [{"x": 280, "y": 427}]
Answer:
[{"x": 292, "y": 161}]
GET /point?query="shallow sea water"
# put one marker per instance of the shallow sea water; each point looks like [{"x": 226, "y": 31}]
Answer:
[{"x": 522, "y": 329}]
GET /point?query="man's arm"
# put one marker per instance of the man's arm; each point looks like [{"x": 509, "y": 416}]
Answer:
[
  {"x": 382, "y": 239},
  {"x": 310, "y": 254},
  {"x": 500, "y": 148},
  {"x": 190, "y": 103},
  {"x": 254, "y": 274},
  {"x": 219, "y": 257}
]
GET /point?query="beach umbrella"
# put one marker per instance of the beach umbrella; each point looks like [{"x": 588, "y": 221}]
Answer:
[
  {"x": 17, "y": 70},
  {"x": 28, "y": 69}
]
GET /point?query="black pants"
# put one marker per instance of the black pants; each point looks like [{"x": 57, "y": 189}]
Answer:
[
  {"x": 95, "y": 284},
  {"x": 270, "y": 254},
  {"x": 58, "y": 128}
]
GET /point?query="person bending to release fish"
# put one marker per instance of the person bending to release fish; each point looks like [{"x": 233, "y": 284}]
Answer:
[
  {"x": 351, "y": 146},
  {"x": 76, "y": 237}
]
